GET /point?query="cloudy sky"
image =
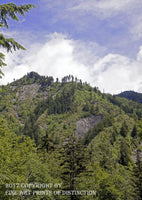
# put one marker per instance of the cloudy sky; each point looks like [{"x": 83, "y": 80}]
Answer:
[{"x": 99, "y": 41}]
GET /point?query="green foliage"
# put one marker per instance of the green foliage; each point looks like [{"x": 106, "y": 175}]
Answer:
[
  {"x": 128, "y": 106},
  {"x": 139, "y": 124},
  {"x": 124, "y": 152},
  {"x": 86, "y": 107},
  {"x": 105, "y": 122},
  {"x": 48, "y": 112},
  {"x": 124, "y": 129},
  {"x": 10, "y": 11},
  {"x": 20, "y": 162},
  {"x": 9, "y": 44},
  {"x": 32, "y": 78},
  {"x": 131, "y": 95},
  {"x": 134, "y": 132},
  {"x": 38, "y": 118},
  {"x": 47, "y": 143},
  {"x": 73, "y": 163},
  {"x": 137, "y": 170}
]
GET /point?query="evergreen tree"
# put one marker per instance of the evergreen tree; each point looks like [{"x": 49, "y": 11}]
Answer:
[
  {"x": 134, "y": 132},
  {"x": 86, "y": 107},
  {"x": 124, "y": 129},
  {"x": 113, "y": 135},
  {"x": 47, "y": 143},
  {"x": 138, "y": 175},
  {"x": 73, "y": 163},
  {"x": 10, "y": 11},
  {"x": 124, "y": 152}
]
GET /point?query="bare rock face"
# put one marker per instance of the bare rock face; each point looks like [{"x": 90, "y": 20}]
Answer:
[
  {"x": 134, "y": 156},
  {"x": 84, "y": 124},
  {"x": 28, "y": 91}
]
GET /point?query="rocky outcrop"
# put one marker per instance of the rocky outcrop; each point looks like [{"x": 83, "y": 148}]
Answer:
[
  {"x": 28, "y": 91},
  {"x": 84, "y": 124},
  {"x": 135, "y": 154}
]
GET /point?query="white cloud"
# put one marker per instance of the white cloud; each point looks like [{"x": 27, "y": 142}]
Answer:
[
  {"x": 123, "y": 14},
  {"x": 60, "y": 56},
  {"x": 139, "y": 55},
  {"x": 55, "y": 57},
  {"x": 136, "y": 26},
  {"x": 91, "y": 5},
  {"x": 105, "y": 8},
  {"x": 119, "y": 13},
  {"x": 116, "y": 73}
]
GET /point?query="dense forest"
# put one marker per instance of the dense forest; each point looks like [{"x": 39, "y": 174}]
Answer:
[
  {"x": 131, "y": 95},
  {"x": 67, "y": 140}
]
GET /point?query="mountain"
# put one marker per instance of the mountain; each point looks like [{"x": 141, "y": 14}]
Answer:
[
  {"x": 70, "y": 133},
  {"x": 131, "y": 95},
  {"x": 36, "y": 104}
]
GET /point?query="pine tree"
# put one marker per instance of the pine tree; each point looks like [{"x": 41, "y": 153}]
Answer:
[
  {"x": 138, "y": 175},
  {"x": 134, "y": 132},
  {"x": 124, "y": 129},
  {"x": 86, "y": 107},
  {"x": 10, "y": 11},
  {"x": 113, "y": 135},
  {"x": 124, "y": 152},
  {"x": 73, "y": 163},
  {"x": 47, "y": 143}
]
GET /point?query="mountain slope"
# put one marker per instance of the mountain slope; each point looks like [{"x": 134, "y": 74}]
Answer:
[
  {"x": 131, "y": 95},
  {"x": 81, "y": 138},
  {"x": 36, "y": 104}
]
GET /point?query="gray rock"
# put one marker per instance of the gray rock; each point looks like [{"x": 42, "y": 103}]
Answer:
[
  {"x": 134, "y": 156},
  {"x": 84, "y": 124}
]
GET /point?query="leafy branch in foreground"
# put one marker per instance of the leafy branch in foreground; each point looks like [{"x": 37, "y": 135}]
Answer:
[{"x": 10, "y": 11}]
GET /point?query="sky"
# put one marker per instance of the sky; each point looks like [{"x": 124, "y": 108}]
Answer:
[{"x": 99, "y": 41}]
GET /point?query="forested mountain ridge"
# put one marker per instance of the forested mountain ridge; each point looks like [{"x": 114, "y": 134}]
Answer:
[
  {"x": 77, "y": 135},
  {"x": 131, "y": 95}
]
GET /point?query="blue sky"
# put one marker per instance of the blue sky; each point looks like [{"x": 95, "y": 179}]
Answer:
[{"x": 99, "y": 41}]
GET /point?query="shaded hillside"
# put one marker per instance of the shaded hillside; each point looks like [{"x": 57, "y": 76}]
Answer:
[{"x": 131, "y": 95}]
